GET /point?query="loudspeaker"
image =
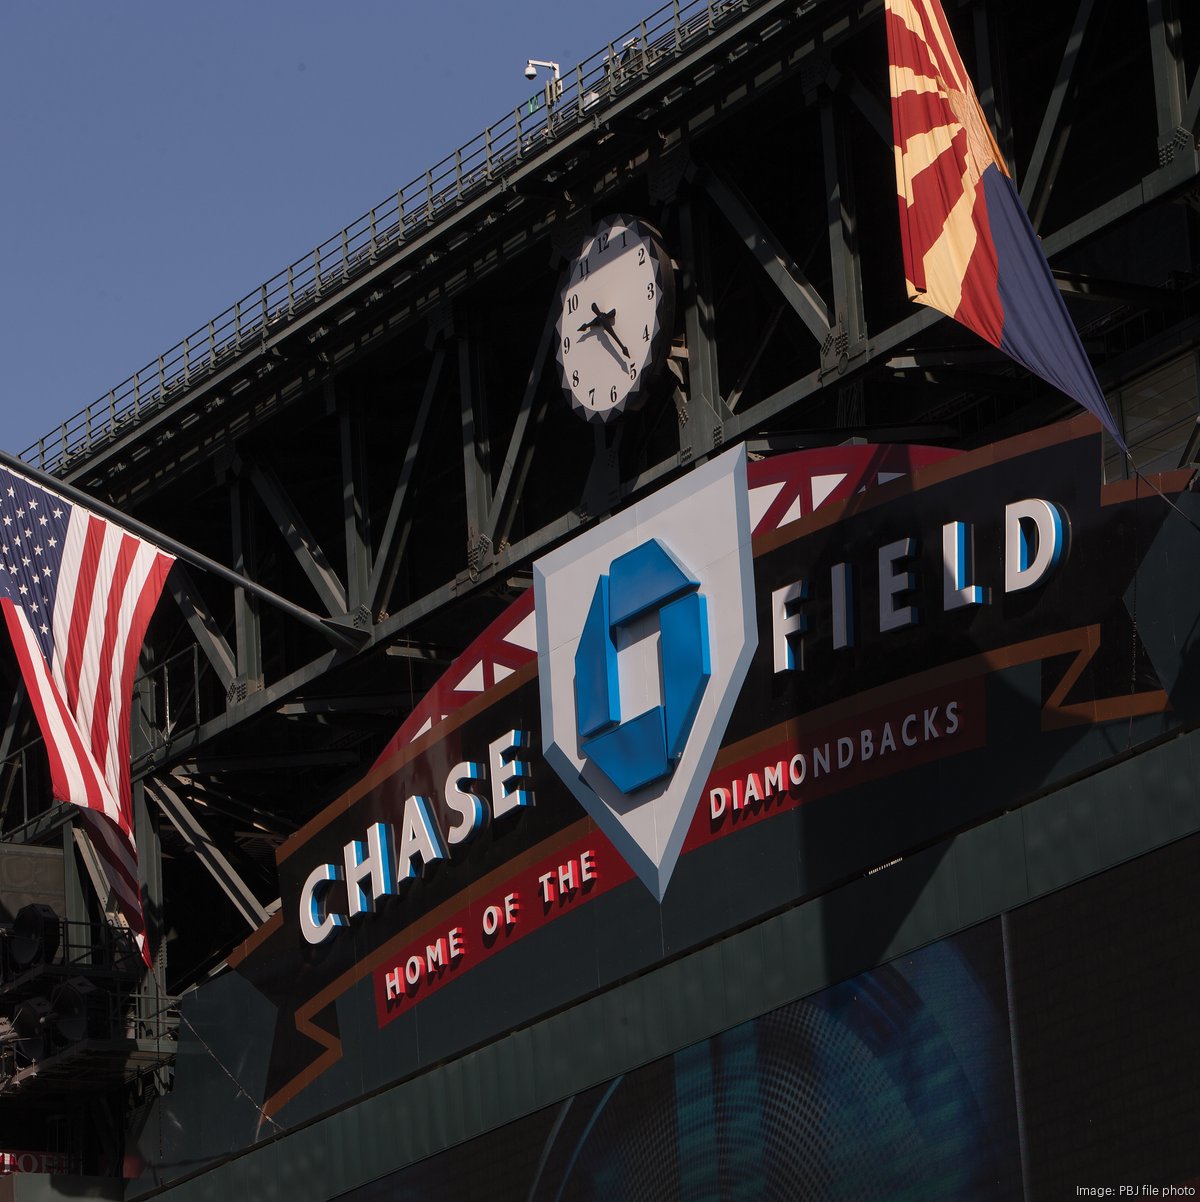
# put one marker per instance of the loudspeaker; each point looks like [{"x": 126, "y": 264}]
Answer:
[
  {"x": 74, "y": 1005},
  {"x": 35, "y": 937}
]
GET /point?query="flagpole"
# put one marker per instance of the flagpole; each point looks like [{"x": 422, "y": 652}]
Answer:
[{"x": 348, "y": 636}]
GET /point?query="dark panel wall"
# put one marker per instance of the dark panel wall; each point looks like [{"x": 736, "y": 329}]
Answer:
[
  {"x": 30, "y": 874},
  {"x": 1138, "y": 805}
]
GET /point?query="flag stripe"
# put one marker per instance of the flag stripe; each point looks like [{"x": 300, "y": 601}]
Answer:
[
  {"x": 78, "y": 593},
  {"x": 65, "y": 778},
  {"x": 88, "y": 678},
  {"x": 122, "y": 853},
  {"x": 68, "y": 576},
  {"x": 78, "y": 775},
  {"x": 142, "y": 591},
  {"x": 108, "y": 619},
  {"x": 81, "y": 609},
  {"x": 120, "y": 868}
]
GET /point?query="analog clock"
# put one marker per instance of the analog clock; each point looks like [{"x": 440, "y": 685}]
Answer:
[{"x": 617, "y": 306}]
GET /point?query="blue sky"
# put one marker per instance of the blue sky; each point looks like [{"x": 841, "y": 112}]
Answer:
[{"x": 161, "y": 159}]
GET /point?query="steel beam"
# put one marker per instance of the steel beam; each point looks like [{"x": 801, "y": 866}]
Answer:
[
  {"x": 208, "y": 853},
  {"x": 1091, "y": 287},
  {"x": 203, "y": 765},
  {"x": 357, "y": 703},
  {"x": 764, "y": 338},
  {"x": 768, "y": 252},
  {"x": 1168, "y": 179},
  {"x": 847, "y": 339},
  {"x": 512, "y": 477},
  {"x": 12, "y": 723},
  {"x": 1190, "y": 117},
  {"x": 12, "y": 720},
  {"x": 602, "y": 488},
  {"x": 356, "y": 509},
  {"x": 94, "y": 868},
  {"x": 149, "y": 853},
  {"x": 1170, "y": 85},
  {"x": 698, "y": 432},
  {"x": 246, "y": 619},
  {"x": 476, "y": 451},
  {"x": 394, "y": 538},
  {"x": 199, "y": 618},
  {"x": 312, "y": 560},
  {"x": 206, "y": 795},
  {"x": 877, "y": 117},
  {"x": 991, "y": 83},
  {"x": 1056, "y": 122}
]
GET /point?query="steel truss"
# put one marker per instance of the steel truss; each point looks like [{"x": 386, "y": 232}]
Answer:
[{"x": 393, "y": 454}]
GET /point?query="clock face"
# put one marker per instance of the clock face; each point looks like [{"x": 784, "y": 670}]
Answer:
[{"x": 617, "y": 307}]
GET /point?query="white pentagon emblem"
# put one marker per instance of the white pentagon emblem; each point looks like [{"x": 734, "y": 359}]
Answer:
[{"x": 646, "y": 629}]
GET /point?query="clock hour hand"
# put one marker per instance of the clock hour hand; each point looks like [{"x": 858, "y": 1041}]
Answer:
[
  {"x": 606, "y": 320},
  {"x": 601, "y": 319}
]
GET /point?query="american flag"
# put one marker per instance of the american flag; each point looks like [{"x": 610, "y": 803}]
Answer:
[{"x": 77, "y": 593}]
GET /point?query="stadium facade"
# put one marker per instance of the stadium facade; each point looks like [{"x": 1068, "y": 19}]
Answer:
[{"x": 777, "y": 784}]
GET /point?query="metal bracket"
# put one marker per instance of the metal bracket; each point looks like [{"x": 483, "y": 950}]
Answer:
[
  {"x": 1172, "y": 142},
  {"x": 838, "y": 353}
]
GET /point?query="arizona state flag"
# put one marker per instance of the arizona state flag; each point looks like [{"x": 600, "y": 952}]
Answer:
[{"x": 969, "y": 248}]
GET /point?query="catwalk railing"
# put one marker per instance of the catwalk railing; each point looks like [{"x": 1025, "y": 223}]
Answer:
[{"x": 530, "y": 129}]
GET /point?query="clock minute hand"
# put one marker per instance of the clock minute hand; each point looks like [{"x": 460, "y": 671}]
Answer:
[{"x": 613, "y": 335}]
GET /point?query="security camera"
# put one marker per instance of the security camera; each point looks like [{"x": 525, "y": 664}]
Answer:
[{"x": 530, "y": 71}]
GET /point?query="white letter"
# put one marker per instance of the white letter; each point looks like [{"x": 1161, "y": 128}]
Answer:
[
  {"x": 892, "y": 583},
  {"x": 820, "y": 760},
  {"x": 866, "y": 738},
  {"x": 845, "y": 750},
  {"x": 509, "y": 774},
  {"x": 951, "y": 717},
  {"x": 375, "y": 861},
  {"x": 587, "y": 866},
  {"x": 394, "y": 987},
  {"x": 718, "y": 799},
  {"x": 773, "y": 779},
  {"x": 787, "y": 620},
  {"x": 315, "y": 922},
  {"x": 958, "y": 566},
  {"x": 421, "y": 838},
  {"x": 435, "y": 956},
  {"x": 464, "y": 802},
  {"x": 796, "y": 774},
  {"x": 566, "y": 878},
  {"x": 1024, "y": 568},
  {"x": 842, "y": 581}
]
